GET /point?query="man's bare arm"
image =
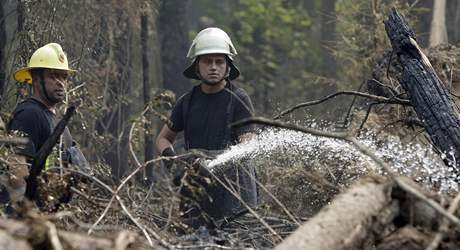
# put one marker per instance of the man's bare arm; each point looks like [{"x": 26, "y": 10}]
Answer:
[{"x": 165, "y": 139}]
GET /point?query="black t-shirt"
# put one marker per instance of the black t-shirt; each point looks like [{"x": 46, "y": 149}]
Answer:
[
  {"x": 208, "y": 117},
  {"x": 35, "y": 120}
]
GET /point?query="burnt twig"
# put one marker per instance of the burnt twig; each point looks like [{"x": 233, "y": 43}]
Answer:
[
  {"x": 14, "y": 141},
  {"x": 392, "y": 100},
  {"x": 230, "y": 189},
  {"x": 288, "y": 213},
  {"x": 367, "y": 115},
  {"x": 445, "y": 225},
  {"x": 45, "y": 150}
]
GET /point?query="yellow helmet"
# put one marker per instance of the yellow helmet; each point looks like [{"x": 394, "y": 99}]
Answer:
[{"x": 50, "y": 56}]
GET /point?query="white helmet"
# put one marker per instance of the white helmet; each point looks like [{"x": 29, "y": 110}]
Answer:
[{"x": 211, "y": 41}]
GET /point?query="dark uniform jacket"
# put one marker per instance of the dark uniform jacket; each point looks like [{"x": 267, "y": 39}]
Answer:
[
  {"x": 36, "y": 121},
  {"x": 205, "y": 119}
]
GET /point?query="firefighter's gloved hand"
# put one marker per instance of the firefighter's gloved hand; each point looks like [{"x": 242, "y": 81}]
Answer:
[
  {"x": 183, "y": 164},
  {"x": 177, "y": 172},
  {"x": 194, "y": 166},
  {"x": 168, "y": 152},
  {"x": 78, "y": 159},
  {"x": 203, "y": 170},
  {"x": 186, "y": 163}
]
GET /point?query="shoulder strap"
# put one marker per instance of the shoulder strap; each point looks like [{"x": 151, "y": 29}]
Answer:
[
  {"x": 230, "y": 110},
  {"x": 185, "y": 110}
]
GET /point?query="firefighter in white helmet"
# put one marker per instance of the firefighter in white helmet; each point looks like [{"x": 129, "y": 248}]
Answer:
[
  {"x": 48, "y": 72},
  {"x": 204, "y": 115}
]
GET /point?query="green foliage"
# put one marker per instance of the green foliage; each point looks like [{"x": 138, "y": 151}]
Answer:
[
  {"x": 362, "y": 38},
  {"x": 279, "y": 46},
  {"x": 271, "y": 30},
  {"x": 274, "y": 44}
]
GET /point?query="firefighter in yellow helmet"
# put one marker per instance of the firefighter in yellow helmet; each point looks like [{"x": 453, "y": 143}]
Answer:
[
  {"x": 204, "y": 115},
  {"x": 48, "y": 72}
]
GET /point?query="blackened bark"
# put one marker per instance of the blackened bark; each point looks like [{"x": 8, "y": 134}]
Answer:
[
  {"x": 427, "y": 94},
  {"x": 174, "y": 45},
  {"x": 328, "y": 38}
]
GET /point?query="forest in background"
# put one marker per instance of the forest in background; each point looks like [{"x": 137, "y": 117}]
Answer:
[
  {"x": 361, "y": 151},
  {"x": 128, "y": 52}
]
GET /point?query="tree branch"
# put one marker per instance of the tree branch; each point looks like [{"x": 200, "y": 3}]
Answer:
[
  {"x": 392, "y": 100},
  {"x": 445, "y": 224},
  {"x": 14, "y": 141}
]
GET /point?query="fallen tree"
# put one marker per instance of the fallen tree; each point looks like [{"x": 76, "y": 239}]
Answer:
[
  {"x": 373, "y": 214},
  {"x": 37, "y": 233},
  {"x": 346, "y": 223}
]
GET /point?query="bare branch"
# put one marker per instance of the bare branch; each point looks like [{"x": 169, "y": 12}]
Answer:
[
  {"x": 288, "y": 213},
  {"x": 114, "y": 196},
  {"x": 246, "y": 205},
  {"x": 53, "y": 235},
  {"x": 14, "y": 141},
  {"x": 445, "y": 224},
  {"x": 369, "y": 109},
  {"x": 392, "y": 100}
]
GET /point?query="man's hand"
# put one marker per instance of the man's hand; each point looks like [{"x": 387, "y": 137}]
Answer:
[{"x": 168, "y": 152}]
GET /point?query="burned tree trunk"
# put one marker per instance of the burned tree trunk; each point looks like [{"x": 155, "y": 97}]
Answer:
[{"x": 427, "y": 94}]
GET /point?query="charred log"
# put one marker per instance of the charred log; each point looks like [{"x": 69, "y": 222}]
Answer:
[{"x": 427, "y": 94}]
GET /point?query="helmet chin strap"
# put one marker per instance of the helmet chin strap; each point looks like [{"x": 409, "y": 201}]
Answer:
[
  {"x": 42, "y": 84},
  {"x": 211, "y": 83}
]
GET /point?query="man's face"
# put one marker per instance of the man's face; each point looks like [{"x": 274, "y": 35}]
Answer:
[
  {"x": 212, "y": 68},
  {"x": 55, "y": 84}
]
